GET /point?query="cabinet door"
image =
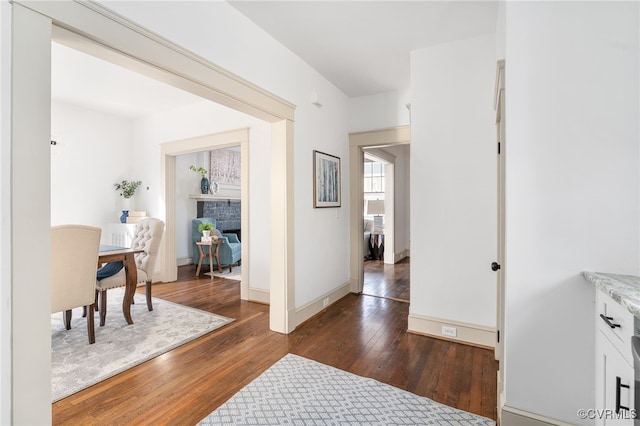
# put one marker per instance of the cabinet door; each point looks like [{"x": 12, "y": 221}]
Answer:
[{"x": 614, "y": 386}]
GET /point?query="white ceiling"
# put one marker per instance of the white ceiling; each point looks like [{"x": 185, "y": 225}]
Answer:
[
  {"x": 362, "y": 47},
  {"x": 91, "y": 82}
]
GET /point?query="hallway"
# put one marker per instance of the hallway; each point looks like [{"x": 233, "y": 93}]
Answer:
[{"x": 387, "y": 281}]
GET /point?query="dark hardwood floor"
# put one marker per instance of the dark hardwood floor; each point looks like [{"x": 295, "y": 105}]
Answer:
[
  {"x": 390, "y": 281},
  {"x": 361, "y": 334}
]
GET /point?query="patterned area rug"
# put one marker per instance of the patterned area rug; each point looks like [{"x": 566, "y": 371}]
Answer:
[
  {"x": 299, "y": 391},
  {"x": 77, "y": 365}
]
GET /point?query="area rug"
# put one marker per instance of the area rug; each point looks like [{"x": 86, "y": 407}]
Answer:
[
  {"x": 235, "y": 274},
  {"x": 299, "y": 391},
  {"x": 77, "y": 365}
]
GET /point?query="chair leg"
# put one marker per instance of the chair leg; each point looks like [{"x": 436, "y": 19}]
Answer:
[
  {"x": 84, "y": 312},
  {"x": 66, "y": 317},
  {"x": 90, "y": 325},
  {"x": 95, "y": 303},
  {"x": 148, "y": 291},
  {"x": 103, "y": 307}
]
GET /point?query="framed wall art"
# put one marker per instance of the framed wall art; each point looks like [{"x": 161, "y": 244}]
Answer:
[{"x": 326, "y": 180}]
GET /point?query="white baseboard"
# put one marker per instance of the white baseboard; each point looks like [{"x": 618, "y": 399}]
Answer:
[
  {"x": 259, "y": 295},
  {"x": 310, "y": 309},
  {"x": 466, "y": 333},
  {"x": 515, "y": 417},
  {"x": 181, "y": 261},
  {"x": 401, "y": 255}
]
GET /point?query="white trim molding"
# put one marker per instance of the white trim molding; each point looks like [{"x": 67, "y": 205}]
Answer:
[
  {"x": 305, "y": 312},
  {"x": 511, "y": 416},
  {"x": 473, "y": 334},
  {"x": 259, "y": 295}
]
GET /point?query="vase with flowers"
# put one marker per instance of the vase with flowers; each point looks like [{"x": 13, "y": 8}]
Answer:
[
  {"x": 127, "y": 189},
  {"x": 204, "y": 181}
]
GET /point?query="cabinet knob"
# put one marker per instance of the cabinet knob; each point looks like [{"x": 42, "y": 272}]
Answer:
[{"x": 495, "y": 266}]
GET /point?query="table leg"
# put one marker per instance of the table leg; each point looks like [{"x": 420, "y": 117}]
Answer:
[
  {"x": 132, "y": 280},
  {"x": 199, "y": 261},
  {"x": 210, "y": 262}
]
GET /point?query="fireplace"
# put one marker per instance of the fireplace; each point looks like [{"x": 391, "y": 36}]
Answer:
[{"x": 225, "y": 212}]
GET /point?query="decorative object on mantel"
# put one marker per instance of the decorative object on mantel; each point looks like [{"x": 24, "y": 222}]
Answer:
[
  {"x": 206, "y": 229},
  {"x": 127, "y": 191},
  {"x": 205, "y": 186}
]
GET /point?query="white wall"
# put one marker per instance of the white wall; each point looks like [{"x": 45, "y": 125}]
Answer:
[
  {"x": 402, "y": 200},
  {"x": 453, "y": 168},
  {"x": 94, "y": 151},
  {"x": 187, "y": 182},
  {"x": 572, "y": 190},
  {"x": 219, "y": 33},
  {"x": 379, "y": 111},
  {"x": 200, "y": 119}
]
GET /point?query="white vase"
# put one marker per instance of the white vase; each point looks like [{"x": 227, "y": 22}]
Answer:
[{"x": 206, "y": 236}]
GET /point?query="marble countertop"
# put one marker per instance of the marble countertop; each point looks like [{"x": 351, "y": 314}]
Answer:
[{"x": 624, "y": 289}]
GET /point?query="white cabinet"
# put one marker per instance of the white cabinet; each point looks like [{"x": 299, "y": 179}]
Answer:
[{"x": 614, "y": 363}]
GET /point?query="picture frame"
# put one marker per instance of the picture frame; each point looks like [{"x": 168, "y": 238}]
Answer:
[{"x": 326, "y": 180}]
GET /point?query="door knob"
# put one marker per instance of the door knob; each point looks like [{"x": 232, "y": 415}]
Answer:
[{"x": 495, "y": 266}]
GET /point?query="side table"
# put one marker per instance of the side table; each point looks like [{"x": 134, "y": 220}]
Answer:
[{"x": 209, "y": 253}]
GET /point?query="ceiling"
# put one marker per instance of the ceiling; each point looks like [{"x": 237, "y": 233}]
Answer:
[
  {"x": 97, "y": 84},
  {"x": 362, "y": 47}
]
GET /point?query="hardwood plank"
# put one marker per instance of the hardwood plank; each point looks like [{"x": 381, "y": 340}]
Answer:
[{"x": 361, "y": 334}]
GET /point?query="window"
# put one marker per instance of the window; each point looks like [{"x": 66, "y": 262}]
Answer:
[{"x": 373, "y": 177}]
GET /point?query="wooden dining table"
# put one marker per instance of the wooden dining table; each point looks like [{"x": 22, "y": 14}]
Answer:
[{"x": 108, "y": 254}]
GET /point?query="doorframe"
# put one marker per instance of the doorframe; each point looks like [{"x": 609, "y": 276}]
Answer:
[
  {"x": 169, "y": 152},
  {"x": 400, "y": 135},
  {"x": 499, "y": 102},
  {"x": 32, "y": 31}
]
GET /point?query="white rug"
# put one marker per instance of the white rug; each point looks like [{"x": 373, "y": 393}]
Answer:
[
  {"x": 235, "y": 274},
  {"x": 299, "y": 391},
  {"x": 77, "y": 365}
]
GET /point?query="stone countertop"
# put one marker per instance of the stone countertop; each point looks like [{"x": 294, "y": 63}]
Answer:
[{"x": 624, "y": 289}]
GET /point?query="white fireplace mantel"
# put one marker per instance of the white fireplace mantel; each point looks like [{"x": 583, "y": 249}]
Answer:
[{"x": 212, "y": 197}]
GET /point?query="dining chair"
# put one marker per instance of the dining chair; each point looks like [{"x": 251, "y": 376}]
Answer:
[
  {"x": 147, "y": 237},
  {"x": 74, "y": 256}
]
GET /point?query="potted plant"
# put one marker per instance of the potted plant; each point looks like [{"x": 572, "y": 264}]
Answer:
[
  {"x": 204, "y": 182},
  {"x": 206, "y": 229},
  {"x": 127, "y": 190}
]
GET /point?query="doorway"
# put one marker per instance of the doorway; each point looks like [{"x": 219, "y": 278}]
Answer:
[
  {"x": 358, "y": 143},
  {"x": 90, "y": 26},
  {"x": 169, "y": 151},
  {"x": 386, "y": 270}
]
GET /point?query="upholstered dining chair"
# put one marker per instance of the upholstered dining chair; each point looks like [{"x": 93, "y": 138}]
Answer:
[
  {"x": 147, "y": 237},
  {"x": 74, "y": 256}
]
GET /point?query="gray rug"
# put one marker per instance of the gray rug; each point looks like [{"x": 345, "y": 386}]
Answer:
[
  {"x": 299, "y": 391},
  {"x": 77, "y": 365}
]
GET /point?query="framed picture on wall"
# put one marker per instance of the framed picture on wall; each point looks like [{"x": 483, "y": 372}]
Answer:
[{"x": 326, "y": 180}]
